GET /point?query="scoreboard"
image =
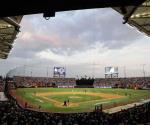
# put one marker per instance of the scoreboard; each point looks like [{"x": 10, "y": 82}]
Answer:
[
  {"x": 59, "y": 72},
  {"x": 111, "y": 72}
]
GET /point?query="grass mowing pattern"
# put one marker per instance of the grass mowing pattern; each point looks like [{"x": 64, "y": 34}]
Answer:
[{"x": 86, "y": 102}]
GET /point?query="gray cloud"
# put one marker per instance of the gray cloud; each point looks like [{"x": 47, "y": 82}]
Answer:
[{"x": 73, "y": 31}]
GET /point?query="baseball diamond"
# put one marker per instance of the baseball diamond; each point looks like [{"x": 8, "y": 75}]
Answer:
[{"x": 52, "y": 99}]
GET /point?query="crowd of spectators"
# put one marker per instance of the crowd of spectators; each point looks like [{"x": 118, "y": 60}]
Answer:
[
  {"x": 12, "y": 114},
  {"x": 134, "y": 83},
  {"x": 1, "y": 84},
  {"x": 43, "y": 81}
]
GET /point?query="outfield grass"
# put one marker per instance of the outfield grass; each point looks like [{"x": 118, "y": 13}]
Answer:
[{"x": 83, "y": 101}]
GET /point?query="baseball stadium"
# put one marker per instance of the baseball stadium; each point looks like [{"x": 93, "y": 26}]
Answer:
[
  {"x": 55, "y": 99},
  {"x": 67, "y": 95},
  {"x": 50, "y": 76}
]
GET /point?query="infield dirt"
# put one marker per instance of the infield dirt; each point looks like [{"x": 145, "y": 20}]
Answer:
[{"x": 56, "y": 103}]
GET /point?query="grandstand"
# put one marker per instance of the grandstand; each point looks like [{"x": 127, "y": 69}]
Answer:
[
  {"x": 1, "y": 84},
  {"x": 44, "y": 82},
  {"x": 2, "y": 88},
  {"x": 134, "y": 83}
]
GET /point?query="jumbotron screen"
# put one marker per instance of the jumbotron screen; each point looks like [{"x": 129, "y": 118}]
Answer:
[
  {"x": 59, "y": 71},
  {"x": 111, "y": 70}
]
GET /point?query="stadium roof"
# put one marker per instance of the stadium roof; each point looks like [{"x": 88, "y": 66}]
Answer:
[
  {"x": 49, "y": 7},
  {"x": 137, "y": 16},
  {"x": 9, "y": 27}
]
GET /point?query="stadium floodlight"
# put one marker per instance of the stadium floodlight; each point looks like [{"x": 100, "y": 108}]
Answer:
[{"x": 143, "y": 70}]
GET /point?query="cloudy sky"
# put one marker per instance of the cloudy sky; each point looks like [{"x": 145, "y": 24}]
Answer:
[{"x": 83, "y": 41}]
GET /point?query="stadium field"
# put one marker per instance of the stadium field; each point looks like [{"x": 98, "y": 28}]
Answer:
[{"x": 80, "y": 99}]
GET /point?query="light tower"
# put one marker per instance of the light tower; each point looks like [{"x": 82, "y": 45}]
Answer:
[
  {"x": 143, "y": 70},
  {"x": 124, "y": 71}
]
